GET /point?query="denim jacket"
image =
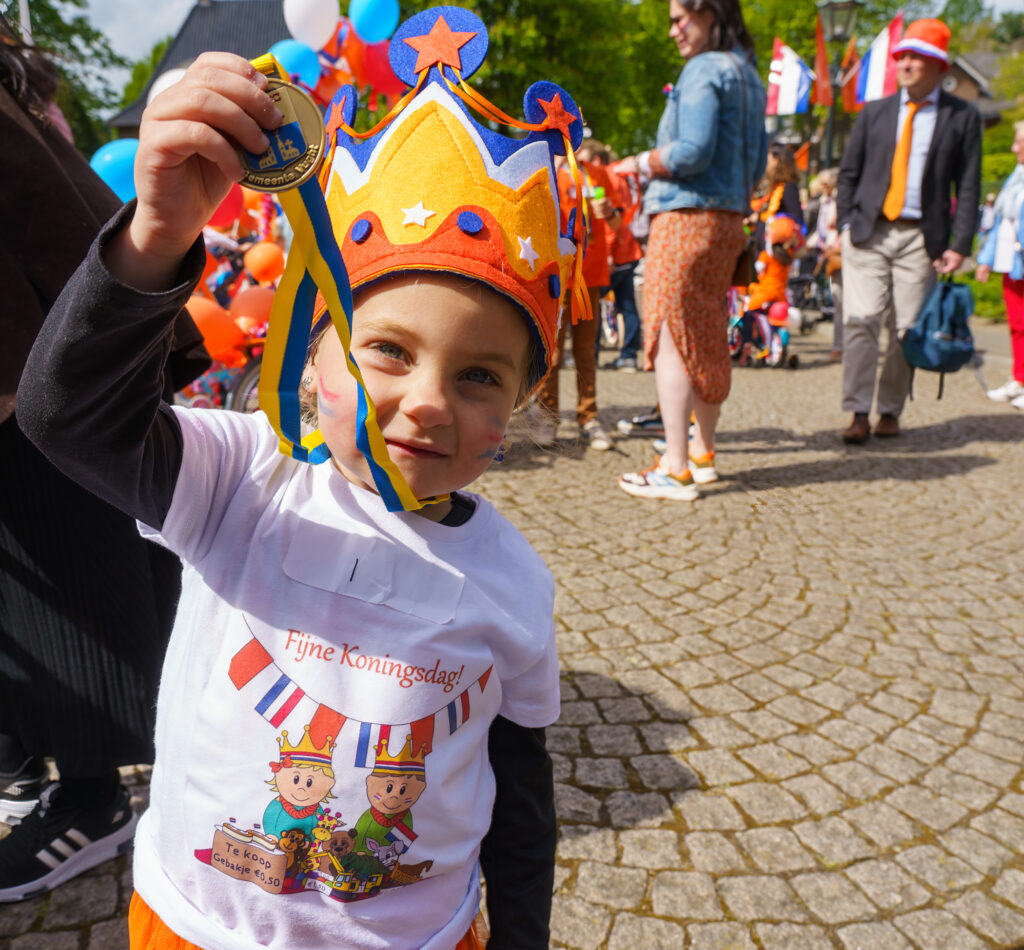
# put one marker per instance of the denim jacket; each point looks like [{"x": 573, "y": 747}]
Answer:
[{"x": 701, "y": 136}]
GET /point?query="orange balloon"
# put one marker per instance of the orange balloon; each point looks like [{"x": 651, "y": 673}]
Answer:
[
  {"x": 265, "y": 261},
  {"x": 251, "y": 199},
  {"x": 220, "y": 334},
  {"x": 253, "y": 302},
  {"x": 355, "y": 53},
  {"x": 247, "y": 324}
]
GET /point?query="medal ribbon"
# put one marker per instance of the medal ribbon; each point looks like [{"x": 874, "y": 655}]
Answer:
[{"x": 315, "y": 261}]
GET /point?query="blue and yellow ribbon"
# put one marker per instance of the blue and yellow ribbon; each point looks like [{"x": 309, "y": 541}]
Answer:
[{"x": 315, "y": 262}]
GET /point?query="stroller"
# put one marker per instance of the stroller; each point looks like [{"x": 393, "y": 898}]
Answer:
[
  {"x": 759, "y": 327},
  {"x": 761, "y": 337}
]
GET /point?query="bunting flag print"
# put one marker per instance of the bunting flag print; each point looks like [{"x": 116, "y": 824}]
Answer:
[
  {"x": 458, "y": 712},
  {"x": 370, "y": 734},
  {"x": 280, "y": 700}
]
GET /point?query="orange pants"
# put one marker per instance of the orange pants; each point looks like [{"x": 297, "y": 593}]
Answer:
[{"x": 146, "y": 931}]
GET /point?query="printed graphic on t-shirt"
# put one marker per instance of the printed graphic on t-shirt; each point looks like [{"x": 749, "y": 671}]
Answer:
[{"x": 306, "y": 839}]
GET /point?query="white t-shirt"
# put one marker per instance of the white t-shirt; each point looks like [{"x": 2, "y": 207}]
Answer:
[{"x": 305, "y": 603}]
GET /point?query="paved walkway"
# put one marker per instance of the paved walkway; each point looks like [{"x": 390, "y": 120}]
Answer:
[{"x": 793, "y": 712}]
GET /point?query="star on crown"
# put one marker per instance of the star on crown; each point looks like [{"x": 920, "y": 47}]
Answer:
[{"x": 440, "y": 45}]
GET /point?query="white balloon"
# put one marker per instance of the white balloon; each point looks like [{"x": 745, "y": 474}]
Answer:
[
  {"x": 311, "y": 21},
  {"x": 163, "y": 81}
]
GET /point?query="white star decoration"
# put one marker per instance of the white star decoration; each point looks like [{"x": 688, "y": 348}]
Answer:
[
  {"x": 526, "y": 251},
  {"x": 417, "y": 214}
]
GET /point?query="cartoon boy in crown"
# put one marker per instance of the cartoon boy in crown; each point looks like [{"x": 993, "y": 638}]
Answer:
[
  {"x": 393, "y": 787},
  {"x": 303, "y": 779}
]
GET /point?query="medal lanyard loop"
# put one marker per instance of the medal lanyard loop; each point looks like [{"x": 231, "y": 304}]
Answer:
[{"x": 315, "y": 262}]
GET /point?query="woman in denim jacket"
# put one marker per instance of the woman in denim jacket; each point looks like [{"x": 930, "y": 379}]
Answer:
[{"x": 711, "y": 147}]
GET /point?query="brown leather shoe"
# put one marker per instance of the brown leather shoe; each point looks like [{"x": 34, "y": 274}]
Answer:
[
  {"x": 888, "y": 426},
  {"x": 858, "y": 431}
]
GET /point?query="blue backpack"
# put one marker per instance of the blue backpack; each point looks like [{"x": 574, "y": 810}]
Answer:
[{"x": 940, "y": 340}]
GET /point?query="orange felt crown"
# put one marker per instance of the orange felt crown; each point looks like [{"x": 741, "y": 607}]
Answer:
[{"x": 432, "y": 189}]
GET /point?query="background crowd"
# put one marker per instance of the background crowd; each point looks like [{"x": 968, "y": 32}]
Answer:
[{"x": 668, "y": 230}]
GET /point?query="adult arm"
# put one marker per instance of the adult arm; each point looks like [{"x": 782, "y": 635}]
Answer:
[
  {"x": 850, "y": 169},
  {"x": 91, "y": 396},
  {"x": 518, "y": 853},
  {"x": 968, "y": 186},
  {"x": 697, "y": 110}
]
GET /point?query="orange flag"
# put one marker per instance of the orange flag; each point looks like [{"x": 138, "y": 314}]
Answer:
[
  {"x": 802, "y": 155},
  {"x": 848, "y": 72},
  {"x": 823, "y": 74}
]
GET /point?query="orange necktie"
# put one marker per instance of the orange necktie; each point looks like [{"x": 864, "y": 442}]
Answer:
[{"x": 900, "y": 160}]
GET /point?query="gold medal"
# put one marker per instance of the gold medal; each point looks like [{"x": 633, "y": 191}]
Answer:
[{"x": 296, "y": 147}]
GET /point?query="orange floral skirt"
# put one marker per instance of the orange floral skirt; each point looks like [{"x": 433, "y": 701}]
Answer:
[
  {"x": 146, "y": 931},
  {"x": 691, "y": 256}
]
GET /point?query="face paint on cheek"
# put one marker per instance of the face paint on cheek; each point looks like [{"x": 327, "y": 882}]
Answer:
[
  {"x": 494, "y": 439},
  {"x": 325, "y": 399}
]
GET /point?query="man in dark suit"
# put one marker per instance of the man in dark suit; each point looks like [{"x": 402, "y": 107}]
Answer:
[{"x": 908, "y": 155}]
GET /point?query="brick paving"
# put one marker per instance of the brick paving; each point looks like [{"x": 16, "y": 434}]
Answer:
[{"x": 793, "y": 712}]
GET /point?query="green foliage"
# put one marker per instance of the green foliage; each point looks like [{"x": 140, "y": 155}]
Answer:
[
  {"x": 141, "y": 72},
  {"x": 995, "y": 168},
  {"x": 612, "y": 56},
  {"x": 82, "y": 54},
  {"x": 1009, "y": 28},
  {"x": 988, "y": 297},
  {"x": 1009, "y": 83}
]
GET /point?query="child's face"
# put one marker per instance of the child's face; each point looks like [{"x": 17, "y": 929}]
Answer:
[
  {"x": 443, "y": 360},
  {"x": 302, "y": 787}
]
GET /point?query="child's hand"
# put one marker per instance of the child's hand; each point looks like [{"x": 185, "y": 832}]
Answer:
[{"x": 187, "y": 158}]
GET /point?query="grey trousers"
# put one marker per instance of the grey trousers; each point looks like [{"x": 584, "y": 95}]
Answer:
[{"x": 885, "y": 281}]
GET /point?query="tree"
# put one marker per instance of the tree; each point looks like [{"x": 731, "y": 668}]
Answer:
[
  {"x": 613, "y": 56},
  {"x": 1009, "y": 28},
  {"x": 142, "y": 71},
  {"x": 82, "y": 54}
]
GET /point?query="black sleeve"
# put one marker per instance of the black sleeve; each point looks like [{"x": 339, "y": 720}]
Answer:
[
  {"x": 968, "y": 186},
  {"x": 518, "y": 853},
  {"x": 91, "y": 394},
  {"x": 850, "y": 170},
  {"x": 790, "y": 204}
]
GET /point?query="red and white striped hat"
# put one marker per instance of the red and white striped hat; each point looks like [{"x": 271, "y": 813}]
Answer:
[{"x": 928, "y": 38}]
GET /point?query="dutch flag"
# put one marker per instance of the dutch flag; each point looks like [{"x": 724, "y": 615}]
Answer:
[
  {"x": 789, "y": 82},
  {"x": 401, "y": 833},
  {"x": 877, "y": 76},
  {"x": 281, "y": 700},
  {"x": 458, "y": 712}
]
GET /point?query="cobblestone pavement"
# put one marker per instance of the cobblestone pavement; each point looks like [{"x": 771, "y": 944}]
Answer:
[{"x": 793, "y": 712}]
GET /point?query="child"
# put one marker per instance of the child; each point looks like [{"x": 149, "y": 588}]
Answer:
[
  {"x": 370, "y": 655},
  {"x": 763, "y": 318}
]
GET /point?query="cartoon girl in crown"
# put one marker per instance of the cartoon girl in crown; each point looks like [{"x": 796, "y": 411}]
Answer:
[
  {"x": 393, "y": 787},
  {"x": 303, "y": 779}
]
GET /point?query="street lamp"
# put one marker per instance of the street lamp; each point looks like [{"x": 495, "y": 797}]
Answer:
[{"x": 838, "y": 19}]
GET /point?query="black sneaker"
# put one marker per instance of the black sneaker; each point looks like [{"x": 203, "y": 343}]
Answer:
[
  {"x": 19, "y": 793},
  {"x": 647, "y": 424},
  {"x": 58, "y": 841}
]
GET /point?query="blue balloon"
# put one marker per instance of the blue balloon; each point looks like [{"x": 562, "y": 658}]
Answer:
[
  {"x": 115, "y": 164},
  {"x": 297, "y": 59},
  {"x": 373, "y": 20}
]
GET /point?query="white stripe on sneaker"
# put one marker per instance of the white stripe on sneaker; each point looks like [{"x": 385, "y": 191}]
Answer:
[
  {"x": 75, "y": 835},
  {"x": 62, "y": 847},
  {"x": 52, "y": 862}
]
